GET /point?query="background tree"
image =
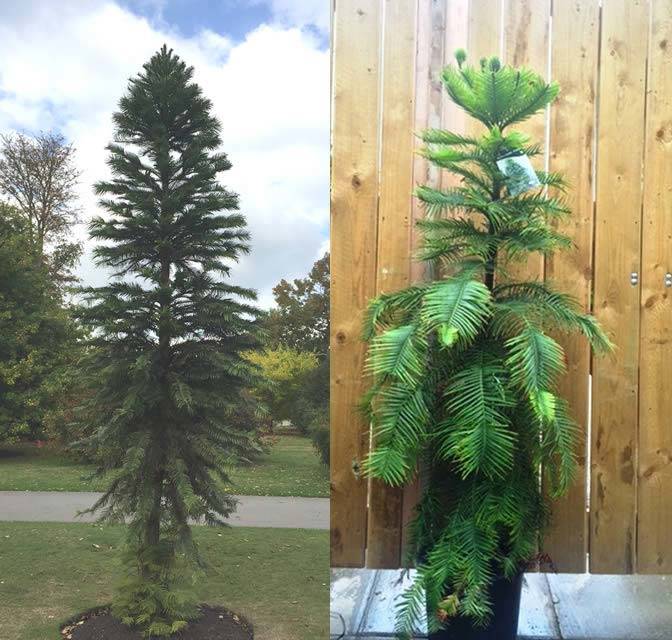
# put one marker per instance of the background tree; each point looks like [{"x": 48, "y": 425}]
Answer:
[
  {"x": 465, "y": 365},
  {"x": 284, "y": 373},
  {"x": 38, "y": 337},
  {"x": 39, "y": 178},
  {"x": 301, "y": 318},
  {"x": 301, "y": 321},
  {"x": 168, "y": 334}
]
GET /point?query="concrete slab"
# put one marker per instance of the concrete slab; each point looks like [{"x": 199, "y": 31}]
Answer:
[
  {"x": 599, "y": 607},
  {"x": 366, "y": 601},
  {"x": 553, "y": 607},
  {"x": 379, "y": 614},
  {"x": 537, "y": 616},
  {"x": 350, "y": 590}
]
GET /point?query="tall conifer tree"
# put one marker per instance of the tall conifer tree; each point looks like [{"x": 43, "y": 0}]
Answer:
[{"x": 168, "y": 333}]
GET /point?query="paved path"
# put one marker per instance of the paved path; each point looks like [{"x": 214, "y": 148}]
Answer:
[{"x": 253, "y": 511}]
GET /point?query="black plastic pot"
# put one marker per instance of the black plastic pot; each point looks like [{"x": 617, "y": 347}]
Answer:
[{"x": 504, "y": 626}]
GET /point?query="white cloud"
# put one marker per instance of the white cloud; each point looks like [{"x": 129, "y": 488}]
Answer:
[{"x": 66, "y": 64}]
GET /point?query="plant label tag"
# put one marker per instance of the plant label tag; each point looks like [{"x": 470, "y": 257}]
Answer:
[{"x": 519, "y": 175}]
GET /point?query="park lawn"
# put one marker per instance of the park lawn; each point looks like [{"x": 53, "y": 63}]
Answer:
[
  {"x": 277, "y": 578},
  {"x": 292, "y": 468}
]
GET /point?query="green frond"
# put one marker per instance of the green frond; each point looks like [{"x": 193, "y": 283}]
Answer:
[
  {"x": 598, "y": 339},
  {"x": 398, "y": 353},
  {"x": 391, "y": 308},
  {"x": 449, "y": 238},
  {"x": 538, "y": 303},
  {"x": 533, "y": 239},
  {"x": 401, "y": 414},
  {"x": 498, "y": 97},
  {"x": 553, "y": 180},
  {"x": 410, "y": 609},
  {"x": 535, "y": 361},
  {"x": 464, "y": 199},
  {"x": 388, "y": 463},
  {"x": 441, "y": 136},
  {"x": 425, "y": 526},
  {"x": 559, "y": 438},
  {"x": 460, "y": 305},
  {"x": 477, "y": 433}
]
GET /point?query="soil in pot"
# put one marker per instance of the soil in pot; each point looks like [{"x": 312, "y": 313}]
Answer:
[
  {"x": 214, "y": 624},
  {"x": 504, "y": 626}
]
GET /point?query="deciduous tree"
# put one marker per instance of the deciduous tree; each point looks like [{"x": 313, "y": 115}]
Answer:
[
  {"x": 301, "y": 318},
  {"x": 38, "y": 337},
  {"x": 39, "y": 177}
]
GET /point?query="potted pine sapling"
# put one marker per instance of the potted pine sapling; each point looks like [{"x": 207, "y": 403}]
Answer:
[{"x": 465, "y": 366}]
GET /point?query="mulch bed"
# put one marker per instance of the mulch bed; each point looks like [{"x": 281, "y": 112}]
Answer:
[{"x": 215, "y": 624}]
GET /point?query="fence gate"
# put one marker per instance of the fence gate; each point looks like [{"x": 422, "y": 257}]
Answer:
[{"x": 610, "y": 133}]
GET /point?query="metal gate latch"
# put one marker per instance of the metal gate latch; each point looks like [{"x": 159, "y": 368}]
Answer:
[
  {"x": 634, "y": 278},
  {"x": 668, "y": 279}
]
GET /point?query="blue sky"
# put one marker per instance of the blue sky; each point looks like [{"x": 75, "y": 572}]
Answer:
[
  {"x": 234, "y": 19},
  {"x": 263, "y": 63}
]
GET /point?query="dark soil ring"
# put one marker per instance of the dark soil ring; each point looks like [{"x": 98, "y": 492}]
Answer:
[{"x": 215, "y": 623}]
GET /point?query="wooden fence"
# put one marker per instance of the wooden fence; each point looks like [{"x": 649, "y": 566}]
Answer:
[{"x": 611, "y": 134}]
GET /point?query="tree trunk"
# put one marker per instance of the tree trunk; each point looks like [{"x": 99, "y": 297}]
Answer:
[
  {"x": 153, "y": 528},
  {"x": 491, "y": 264}
]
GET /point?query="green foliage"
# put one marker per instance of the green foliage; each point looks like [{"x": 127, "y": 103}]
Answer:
[
  {"x": 300, "y": 319},
  {"x": 320, "y": 434},
  {"x": 465, "y": 367},
  {"x": 310, "y": 412},
  {"x": 38, "y": 338},
  {"x": 154, "y": 593},
  {"x": 283, "y": 375},
  {"x": 164, "y": 368}
]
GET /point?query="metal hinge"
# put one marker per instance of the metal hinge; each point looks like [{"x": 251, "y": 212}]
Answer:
[
  {"x": 634, "y": 278},
  {"x": 667, "y": 280}
]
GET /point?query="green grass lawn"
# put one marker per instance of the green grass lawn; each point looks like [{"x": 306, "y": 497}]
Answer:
[
  {"x": 292, "y": 468},
  {"x": 277, "y": 578}
]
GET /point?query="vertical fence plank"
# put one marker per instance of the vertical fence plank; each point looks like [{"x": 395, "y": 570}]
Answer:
[
  {"x": 617, "y": 253},
  {"x": 394, "y": 234},
  {"x": 354, "y": 190},
  {"x": 484, "y": 30},
  {"x": 429, "y": 98},
  {"x": 654, "y": 545},
  {"x": 574, "y": 65},
  {"x": 453, "y": 117},
  {"x": 430, "y": 30},
  {"x": 484, "y": 39},
  {"x": 526, "y": 34}
]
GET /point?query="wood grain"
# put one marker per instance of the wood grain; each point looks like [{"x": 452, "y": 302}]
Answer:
[
  {"x": 453, "y": 117},
  {"x": 354, "y": 227},
  {"x": 430, "y": 30},
  {"x": 484, "y": 30},
  {"x": 429, "y": 100},
  {"x": 624, "y": 43},
  {"x": 574, "y": 44},
  {"x": 394, "y": 235},
  {"x": 525, "y": 44},
  {"x": 654, "y": 542}
]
